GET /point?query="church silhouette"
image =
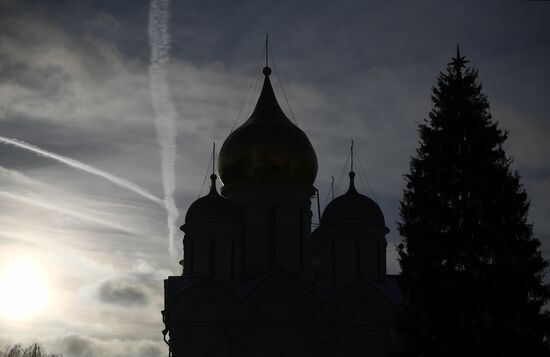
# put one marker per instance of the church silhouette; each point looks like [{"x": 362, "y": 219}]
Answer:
[{"x": 256, "y": 280}]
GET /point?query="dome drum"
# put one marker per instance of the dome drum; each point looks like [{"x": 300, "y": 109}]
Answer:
[
  {"x": 350, "y": 230},
  {"x": 274, "y": 193}
]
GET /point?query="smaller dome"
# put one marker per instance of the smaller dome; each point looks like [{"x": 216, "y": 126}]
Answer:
[
  {"x": 212, "y": 207},
  {"x": 353, "y": 207}
]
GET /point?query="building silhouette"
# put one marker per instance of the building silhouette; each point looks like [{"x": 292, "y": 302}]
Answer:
[{"x": 256, "y": 281}]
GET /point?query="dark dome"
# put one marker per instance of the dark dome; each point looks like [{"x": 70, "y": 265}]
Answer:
[
  {"x": 211, "y": 207},
  {"x": 353, "y": 207},
  {"x": 268, "y": 147}
]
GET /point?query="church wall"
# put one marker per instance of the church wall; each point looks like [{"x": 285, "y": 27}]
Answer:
[
  {"x": 210, "y": 249},
  {"x": 275, "y": 340},
  {"x": 283, "y": 339},
  {"x": 356, "y": 341},
  {"x": 188, "y": 255},
  {"x": 288, "y": 243},
  {"x": 345, "y": 262},
  {"x": 256, "y": 240},
  {"x": 276, "y": 220},
  {"x": 201, "y": 339},
  {"x": 279, "y": 317},
  {"x": 371, "y": 258},
  {"x": 201, "y": 255},
  {"x": 382, "y": 251},
  {"x": 223, "y": 252},
  {"x": 348, "y": 251}
]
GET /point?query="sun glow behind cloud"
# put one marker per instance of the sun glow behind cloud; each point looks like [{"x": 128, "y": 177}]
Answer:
[{"x": 24, "y": 289}]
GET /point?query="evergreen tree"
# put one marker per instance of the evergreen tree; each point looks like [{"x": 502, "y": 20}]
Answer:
[{"x": 471, "y": 268}]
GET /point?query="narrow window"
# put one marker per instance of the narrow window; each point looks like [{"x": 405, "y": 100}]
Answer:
[
  {"x": 192, "y": 258},
  {"x": 301, "y": 225},
  {"x": 232, "y": 259},
  {"x": 378, "y": 259},
  {"x": 357, "y": 257},
  {"x": 212, "y": 256},
  {"x": 242, "y": 266},
  {"x": 272, "y": 238},
  {"x": 333, "y": 262}
]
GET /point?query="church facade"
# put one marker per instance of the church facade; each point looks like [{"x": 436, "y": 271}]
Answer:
[{"x": 256, "y": 280}]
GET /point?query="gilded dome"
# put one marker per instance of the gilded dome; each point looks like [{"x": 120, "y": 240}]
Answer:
[
  {"x": 268, "y": 147},
  {"x": 353, "y": 207}
]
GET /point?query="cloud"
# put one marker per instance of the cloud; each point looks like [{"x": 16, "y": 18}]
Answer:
[
  {"x": 122, "y": 293},
  {"x": 81, "y": 166},
  {"x": 74, "y": 345}
]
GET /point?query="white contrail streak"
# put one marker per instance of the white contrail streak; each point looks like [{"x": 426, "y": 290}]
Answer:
[
  {"x": 165, "y": 111},
  {"x": 68, "y": 212},
  {"x": 84, "y": 167}
]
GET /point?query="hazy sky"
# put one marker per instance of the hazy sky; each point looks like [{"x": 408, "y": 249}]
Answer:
[{"x": 74, "y": 80}]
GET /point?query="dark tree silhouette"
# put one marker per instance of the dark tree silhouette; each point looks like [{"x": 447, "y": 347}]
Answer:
[
  {"x": 471, "y": 268},
  {"x": 32, "y": 350}
]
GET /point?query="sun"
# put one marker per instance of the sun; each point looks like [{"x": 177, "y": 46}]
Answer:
[{"x": 23, "y": 290}]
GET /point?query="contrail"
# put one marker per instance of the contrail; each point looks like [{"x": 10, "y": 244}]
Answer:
[
  {"x": 84, "y": 167},
  {"x": 68, "y": 212},
  {"x": 165, "y": 111}
]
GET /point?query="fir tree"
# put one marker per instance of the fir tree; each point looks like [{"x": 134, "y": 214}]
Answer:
[{"x": 471, "y": 269}]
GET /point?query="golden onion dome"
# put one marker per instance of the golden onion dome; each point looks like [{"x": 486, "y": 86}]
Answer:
[{"x": 268, "y": 147}]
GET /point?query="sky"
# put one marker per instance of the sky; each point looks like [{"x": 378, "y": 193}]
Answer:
[{"x": 75, "y": 81}]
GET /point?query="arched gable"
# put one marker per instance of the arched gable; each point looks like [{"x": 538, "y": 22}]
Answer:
[
  {"x": 281, "y": 297},
  {"x": 359, "y": 302},
  {"x": 206, "y": 300}
]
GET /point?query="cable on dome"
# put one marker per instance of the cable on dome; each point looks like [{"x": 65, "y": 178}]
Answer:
[
  {"x": 335, "y": 191},
  {"x": 363, "y": 174},
  {"x": 210, "y": 162},
  {"x": 339, "y": 183},
  {"x": 245, "y": 99},
  {"x": 252, "y": 96},
  {"x": 282, "y": 87}
]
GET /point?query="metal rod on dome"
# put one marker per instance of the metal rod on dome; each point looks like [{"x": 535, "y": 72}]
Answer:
[
  {"x": 332, "y": 187},
  {"x": 267, "y": 50},
  {"x": 318, "y": 207},
  {"x": 214, "y": 158},
  {"x": 352, "y": 155}
]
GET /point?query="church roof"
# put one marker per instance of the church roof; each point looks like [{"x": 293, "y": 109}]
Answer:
[{"x": 268, "y": 147}]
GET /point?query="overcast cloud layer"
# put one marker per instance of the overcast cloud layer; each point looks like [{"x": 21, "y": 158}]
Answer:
[{"x": 74, "y": 80}]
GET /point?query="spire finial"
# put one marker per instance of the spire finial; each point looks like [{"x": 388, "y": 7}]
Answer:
[
  {"x": 351, "y": 173},
  {"x": 332, "y": 187},
  {"x": 213, "y": 158},
  {"x": 459, "y": 61},
  {"x": 213, "y": 177},
  {"x": 266, "y": 71},
  {"x": 267, "y": 50},
  {"x": 351, "y": 156}
]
